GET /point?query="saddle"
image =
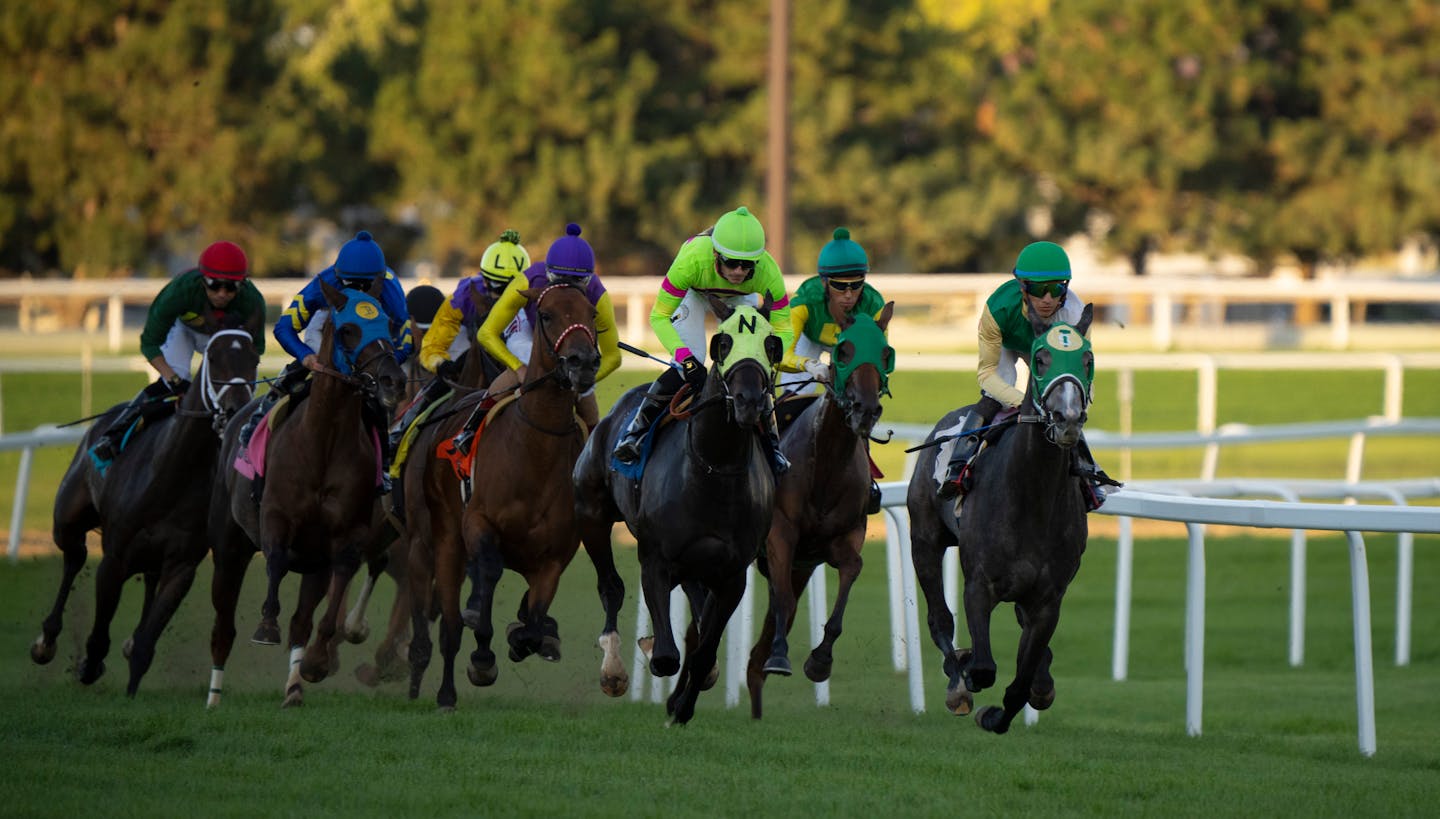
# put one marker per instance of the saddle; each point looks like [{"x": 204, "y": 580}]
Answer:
[
  {"x": 407, "y": 437},
  {"x": 637, "y": 470},
  {"x": 463, "y": 460}
]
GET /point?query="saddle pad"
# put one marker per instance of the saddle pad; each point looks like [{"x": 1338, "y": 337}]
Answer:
[
  {"x": 250, "y": 462},
  {"x": 647, "y": 443},
  {"x": 464, "y": 462},
  {"x": 408, "y": 438},
  {"x": 789, "y": 407}
]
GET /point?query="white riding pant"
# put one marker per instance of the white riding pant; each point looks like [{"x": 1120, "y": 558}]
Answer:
[{"x": 689, "y": 319}]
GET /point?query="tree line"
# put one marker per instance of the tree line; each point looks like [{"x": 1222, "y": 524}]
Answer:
[{"x": 944, "y": 134}]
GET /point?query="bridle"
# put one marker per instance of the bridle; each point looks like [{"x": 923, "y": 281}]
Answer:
[
  {"x": 557, "y": 372},
  {"x": 1051, "y": 418},
  {"x": 214, "y": 389}
]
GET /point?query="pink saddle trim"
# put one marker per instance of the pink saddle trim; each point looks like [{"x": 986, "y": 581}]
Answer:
[{"x": 251, "y": 462}]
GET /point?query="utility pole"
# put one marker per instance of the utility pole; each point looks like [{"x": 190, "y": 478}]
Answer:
[{"x": 777, "y": 177}]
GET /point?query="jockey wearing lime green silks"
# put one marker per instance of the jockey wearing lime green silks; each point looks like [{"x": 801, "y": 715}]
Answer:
[
  {"x": 838, "y": 289},
  {"x": 728, "y": 261},
  {"x": 1041, "y": 285}
]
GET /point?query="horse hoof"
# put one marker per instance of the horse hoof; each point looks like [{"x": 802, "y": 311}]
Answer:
[
  {"x": 313, "y": 672},
  {"x": 294, "y": 697},
  {"x": 127, "y": 647},
  {"x": 90, "y": 672},
  {"x": 368, "y": 675},
  {"x": 358, "y": 635},
  {"x": 615, "y": 686},
  {"x": 777, "y": 665},
  {"x": 664, "y": 666},
  {"x": 482, "y": 677},
  {"x": 711, "y": 678},
  {"x": 266, "y": 634},
  {"x": 992, "y": 718},
  {"x": 817, "y": 670},
  {"x": 1042, "y": 699},
  {"x": 550, "y": 649},
  {"x": 42, "y": 652},
  {"x": 959, "y": 701}
]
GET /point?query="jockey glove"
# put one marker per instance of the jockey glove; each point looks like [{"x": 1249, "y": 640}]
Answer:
[
  {"x": 177, "y": 385},
  {"x": 818, "y": 371},
  {"x": 694, "y": 372},
  {"x": 447, "y": 370}
]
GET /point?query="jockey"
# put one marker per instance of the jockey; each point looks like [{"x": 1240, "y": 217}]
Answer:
[
  {"x": 360, "y": 265},
  {"x": 728, "y": 261},
  {"x": 422, "y": 302},
  {"x": 508, "y": 330},
  {"x": 185, "y": 313},
  {"x": 839, "y": 289},
  {"x": 1041, "y": 285}
]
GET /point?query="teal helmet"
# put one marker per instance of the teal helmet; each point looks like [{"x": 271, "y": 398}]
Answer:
[
  {"x": 738, "y": 235},
  {"x": 1042, "y": 262},
  {"x": 843, "y": 257}
]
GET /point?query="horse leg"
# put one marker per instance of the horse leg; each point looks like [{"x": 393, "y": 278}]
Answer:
[
  {"x": 152, "y": 580},
  {"x": 172, "y": 586},
  {"x": 232, "y": 558},
  {"x": 109, "y": 578},
  {"x": 779, "y": 554},
  {"x": 754, "y": 673},
  {"x": 978, "y": 670},
  {"x": 656, "y": 584},
  {"x": 1034, "y": 651},
  {"x": 70, "y": 538},
  {"x": 848, "y": 562},
  {"x": 614, "y": 679},
  {"x": 928, "y": 541},
  {"x": 419, "y": 578},
  {"x": 389, "y": 655},
  {"x": 483, "y": 670},
  {"x": 1042, "y": 688},
  {"x": 356, "y": 629},
  {"x": 267, "y": 633},
  {"x": 540, "y": 633},
  {"x": 302, "y": 624},
  {"x": 322, "y": 657},
  {"x": 721, "y": 603},
  {"x": 700, "y": 606},
  {"x": 449, "y": 575}
]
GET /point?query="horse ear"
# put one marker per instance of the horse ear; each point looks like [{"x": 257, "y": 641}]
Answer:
[
  {"x": 844, "y": 351},
  {"x": 532, "y": 293},
  {"x": 774, "y": 349},
  {"x": 843, "y": 321},
  {"x": 1086, "y": 316},
  {"x": 767, "y": 305},
  {"x": 1039, "y": 325},
  {"x": 478, "y": 294},
  {"x": 333, "y": 296},
  {"x": 719, "y": 307},
  {"x": 886, "y": 313},
  {"x": 720, "y": 345}
]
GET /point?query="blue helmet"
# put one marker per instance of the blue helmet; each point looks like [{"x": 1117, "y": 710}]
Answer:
[{"x": 360, "y": 258}]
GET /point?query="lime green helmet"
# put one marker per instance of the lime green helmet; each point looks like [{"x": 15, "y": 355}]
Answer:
[
  {"x": 738, "y": 235},
  {"x": 1043, "y": 262},
  {"x": 504, "y": 260}
]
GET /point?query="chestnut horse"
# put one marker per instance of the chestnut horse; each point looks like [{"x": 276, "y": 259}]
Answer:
[
  {"x": 150, "y": 507},
  {"x": 1020, "y": 532},
  {"x": 702, "y": 507},
  {"x": 318, "y": 511},
  {"x": 820, "y": 503},
  {"x": 520, "y": 515}
]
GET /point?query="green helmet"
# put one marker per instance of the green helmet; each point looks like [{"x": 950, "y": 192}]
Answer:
[
  {"x": 738, "y": 235},
  {"x": 504, "y": 260},
  {"x": 1043, "y": 262},
  {"x": 842, "y": 257}
]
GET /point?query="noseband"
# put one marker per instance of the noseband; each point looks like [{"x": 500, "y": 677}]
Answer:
[
  {"x": 215, "y": 389},
  {"x": 557, "y": 372}
]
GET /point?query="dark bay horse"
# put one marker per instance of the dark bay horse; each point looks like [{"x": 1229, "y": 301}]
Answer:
[
  {"x": 1021, "y": 530},
  {"x": 820, "y": 503},
  {"x": 702, "y": 507},
  {"x": 520, "y": 515},
  {"x": 150, "y": 507},
  {"x": 318, "y": 511}
]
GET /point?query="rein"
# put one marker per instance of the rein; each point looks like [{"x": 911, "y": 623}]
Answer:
[{"x": 556, "y": 372}]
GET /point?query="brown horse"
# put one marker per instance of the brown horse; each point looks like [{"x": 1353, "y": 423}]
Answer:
[
  {"x": 477, "y": 369},
  {"x": 319, "y": 509},
  {"x": 820, "y": 503},
  {"x": 150, "y": 508},
  {"x": 520, "y": 514}
]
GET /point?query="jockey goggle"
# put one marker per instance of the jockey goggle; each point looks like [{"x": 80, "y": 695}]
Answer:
[
  {"x": 849, "y": 284},
  {"x": 356, "y": 283},
  {"x": 746, "y": 265},
  {"x": 1040, "y": 290},
  {"x": 218, "y": 285}
]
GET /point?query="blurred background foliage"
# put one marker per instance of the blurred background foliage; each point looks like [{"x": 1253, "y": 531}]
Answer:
[{"x": 944, "y": 134}]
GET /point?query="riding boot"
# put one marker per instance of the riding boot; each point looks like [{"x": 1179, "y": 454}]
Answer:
[
  {"x": 627, "y": 450},
  {"x": 1092, "y": 476},
  {"x": 104, "y": 450},
  {"x": 423, "y": 399},
  {"x": 778, "y": 463},
  {"x": 287, "y": 383},
  {"x": 957, "y": 473},
  {"x": 872, "y": 506}
]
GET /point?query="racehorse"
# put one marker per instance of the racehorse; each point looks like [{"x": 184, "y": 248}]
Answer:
[
  {"x": 702, "y": 507},
  {"x": 150, "y": 507},
  {"x": 317, "y": 512},
  {"x": 1021, "y": 530},
  {"x": 520, "y": 514},
  {"x": 820, "y": 503},
  {"x": 477, "y": 369}
]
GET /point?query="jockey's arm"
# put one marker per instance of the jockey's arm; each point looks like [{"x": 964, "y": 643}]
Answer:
[
  {"x": 607, "y": 336},
  {"x": 991, "y": 345},
  {"x": 168, "y": 306},
  {"x": 770, "y": 283},
  {"x": 794, "y": 362},
  {"x": 392, "y": 299},
  {"x": 435, "y": 348},
  {"x": 296, "y": 318},
  {"x": 666, "y": 302},
  {"x": 491, "y": 334}
]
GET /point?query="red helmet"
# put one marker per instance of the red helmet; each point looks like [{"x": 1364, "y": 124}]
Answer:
[{"x": 224, "y": 260}]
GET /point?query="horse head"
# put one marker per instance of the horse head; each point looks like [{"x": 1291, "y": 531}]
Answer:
[
  {"x": 1062, "y": 370},
  {"x": 860, "y": 367},
  {"x": 564, "y": 337},
  {"x": 227, "y": 374},
  {"x": 360, "y": 345},
  {"x": 745, "y": 350}
]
